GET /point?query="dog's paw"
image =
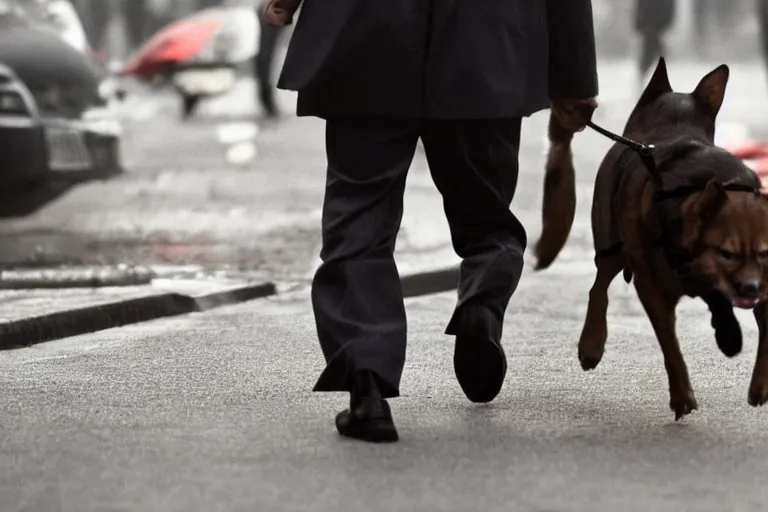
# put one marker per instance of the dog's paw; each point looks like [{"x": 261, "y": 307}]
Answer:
[
  {"x": 592, "y": 344},
  {"x": 727, "y": 331},
  {"x": 758, "y": 393},
  {"x": 589, "y": 356},
  {"x": 683, "y": 404},
  {"x": 729, "y": 339}
]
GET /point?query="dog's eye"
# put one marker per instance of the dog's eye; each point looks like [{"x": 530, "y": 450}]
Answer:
[{"x": 726, "y": 255}]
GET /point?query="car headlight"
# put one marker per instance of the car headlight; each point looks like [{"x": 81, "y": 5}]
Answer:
[{"x": 11, "y": 103}]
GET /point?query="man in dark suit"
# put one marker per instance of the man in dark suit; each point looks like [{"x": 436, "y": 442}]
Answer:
[{"x": 460, "y": 75}]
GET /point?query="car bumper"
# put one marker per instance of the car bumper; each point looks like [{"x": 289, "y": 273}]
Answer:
[
  {"x": 35, "y": 146},
  {"x": 23, "y": 153}
]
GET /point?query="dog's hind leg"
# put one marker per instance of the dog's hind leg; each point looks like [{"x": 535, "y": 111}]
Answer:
[
  {"x": 595, "y": 331},
  {"x": 660, "y": 309},
  {"x": 758, "y": 389}
]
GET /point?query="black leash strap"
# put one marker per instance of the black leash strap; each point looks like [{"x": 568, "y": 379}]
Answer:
[{"x": 644, "y": 151}]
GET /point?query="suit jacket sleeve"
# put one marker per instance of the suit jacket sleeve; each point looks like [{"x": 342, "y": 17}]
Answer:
[{"x": 572, "y": 54}]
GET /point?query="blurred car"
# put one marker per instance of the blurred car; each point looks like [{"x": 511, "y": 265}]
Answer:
[
  {"x": 54, "y": 123},
  {"x": 198, "y": 54}
]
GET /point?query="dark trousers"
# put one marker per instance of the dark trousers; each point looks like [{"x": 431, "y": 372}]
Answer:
[
  {"x": 652, "y": 48},
  {"x": 263, "y": 63},
  {"x": 356, "y": 293},
  {"x": 95, "y": 16},
  {"x": 137, "y": 21},
  {"x": 762, "y": 19}
]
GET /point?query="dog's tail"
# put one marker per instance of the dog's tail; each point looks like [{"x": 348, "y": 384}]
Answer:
[{"x": 559, "y": 205}]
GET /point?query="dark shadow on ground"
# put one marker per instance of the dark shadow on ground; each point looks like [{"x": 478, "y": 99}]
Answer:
[
  {"x": 21, "y": 202},
  {"x": 24, "y": 202}
]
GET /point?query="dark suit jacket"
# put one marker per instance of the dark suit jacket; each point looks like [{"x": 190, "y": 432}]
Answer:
[{"x": 439, "y": 59}]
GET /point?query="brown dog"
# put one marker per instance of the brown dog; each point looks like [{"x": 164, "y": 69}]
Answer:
[{"x": 692, "y": 222}]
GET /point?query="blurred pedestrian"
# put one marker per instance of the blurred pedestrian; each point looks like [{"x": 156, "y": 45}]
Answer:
[
  {"x": 762, "y": 19},
  {"x": 95, "y": 16},
  {"x": 710, "y": 18},
  {"x": 702, "y": 11},
  {"x": 137, "y": 24},
  {"x": 460, "y": 76},
  {"x": 205, "y": 4},
  {"x": 269, "y": 37},
  {"x": 653, "y": 18}
]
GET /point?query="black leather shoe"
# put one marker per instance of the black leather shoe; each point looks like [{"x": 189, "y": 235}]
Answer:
[
  {"x": 370, "y": 420},
  {"x": 369, "y": 417},
  {"x": 478, "y": 358}
]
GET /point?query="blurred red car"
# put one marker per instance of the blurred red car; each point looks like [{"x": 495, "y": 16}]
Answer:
[{"x": 198, "y": 54}]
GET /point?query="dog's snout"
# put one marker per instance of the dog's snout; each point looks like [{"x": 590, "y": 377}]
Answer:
[{"x": 749, "y": 289}]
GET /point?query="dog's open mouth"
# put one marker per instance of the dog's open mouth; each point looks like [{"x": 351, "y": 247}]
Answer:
[{"x": 745, "y": 303}]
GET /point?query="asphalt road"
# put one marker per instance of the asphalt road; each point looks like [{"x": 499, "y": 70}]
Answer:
[{"x": 214, "y": 411}]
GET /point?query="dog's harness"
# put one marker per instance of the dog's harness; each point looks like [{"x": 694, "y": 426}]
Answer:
[{"x": 680, "y": 259}]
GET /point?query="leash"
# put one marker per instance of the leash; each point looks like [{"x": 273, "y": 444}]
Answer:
[{"x": 644, "y": 151}]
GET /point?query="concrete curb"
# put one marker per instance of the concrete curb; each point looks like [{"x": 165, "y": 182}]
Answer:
[
  {"x": 31, "y": 279},
  {"x": 63, "y": 324}
]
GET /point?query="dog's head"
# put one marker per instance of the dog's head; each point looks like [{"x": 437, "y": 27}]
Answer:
[
  {"x": 723, "y": 232},
  {"x": 726, "y": 234},
  {"x": 661, "y": 112}
]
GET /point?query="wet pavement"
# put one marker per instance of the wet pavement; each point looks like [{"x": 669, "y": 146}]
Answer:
[
  {"x": 221, "y": 191},
  {"x": 180, "y": 201},
  {"x": 213, "y": 411}
]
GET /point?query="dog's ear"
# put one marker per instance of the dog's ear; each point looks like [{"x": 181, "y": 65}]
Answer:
[
  {"x": 658, "y": 85},
  {"x": 710, "y": 201},
  {"x": 711, "y": 90}
]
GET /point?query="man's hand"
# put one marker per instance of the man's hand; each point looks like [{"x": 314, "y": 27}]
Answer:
[
  {"x": 279, "y": 13},
  {"x": 573, "y": 114}
]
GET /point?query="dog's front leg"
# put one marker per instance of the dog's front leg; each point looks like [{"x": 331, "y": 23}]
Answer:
[
  {"x": 758, "y": 389},
  {"x": 726, "y": 325},
  {"x": 661, "y": 311},
  {"x": 595, "y": 330}
]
